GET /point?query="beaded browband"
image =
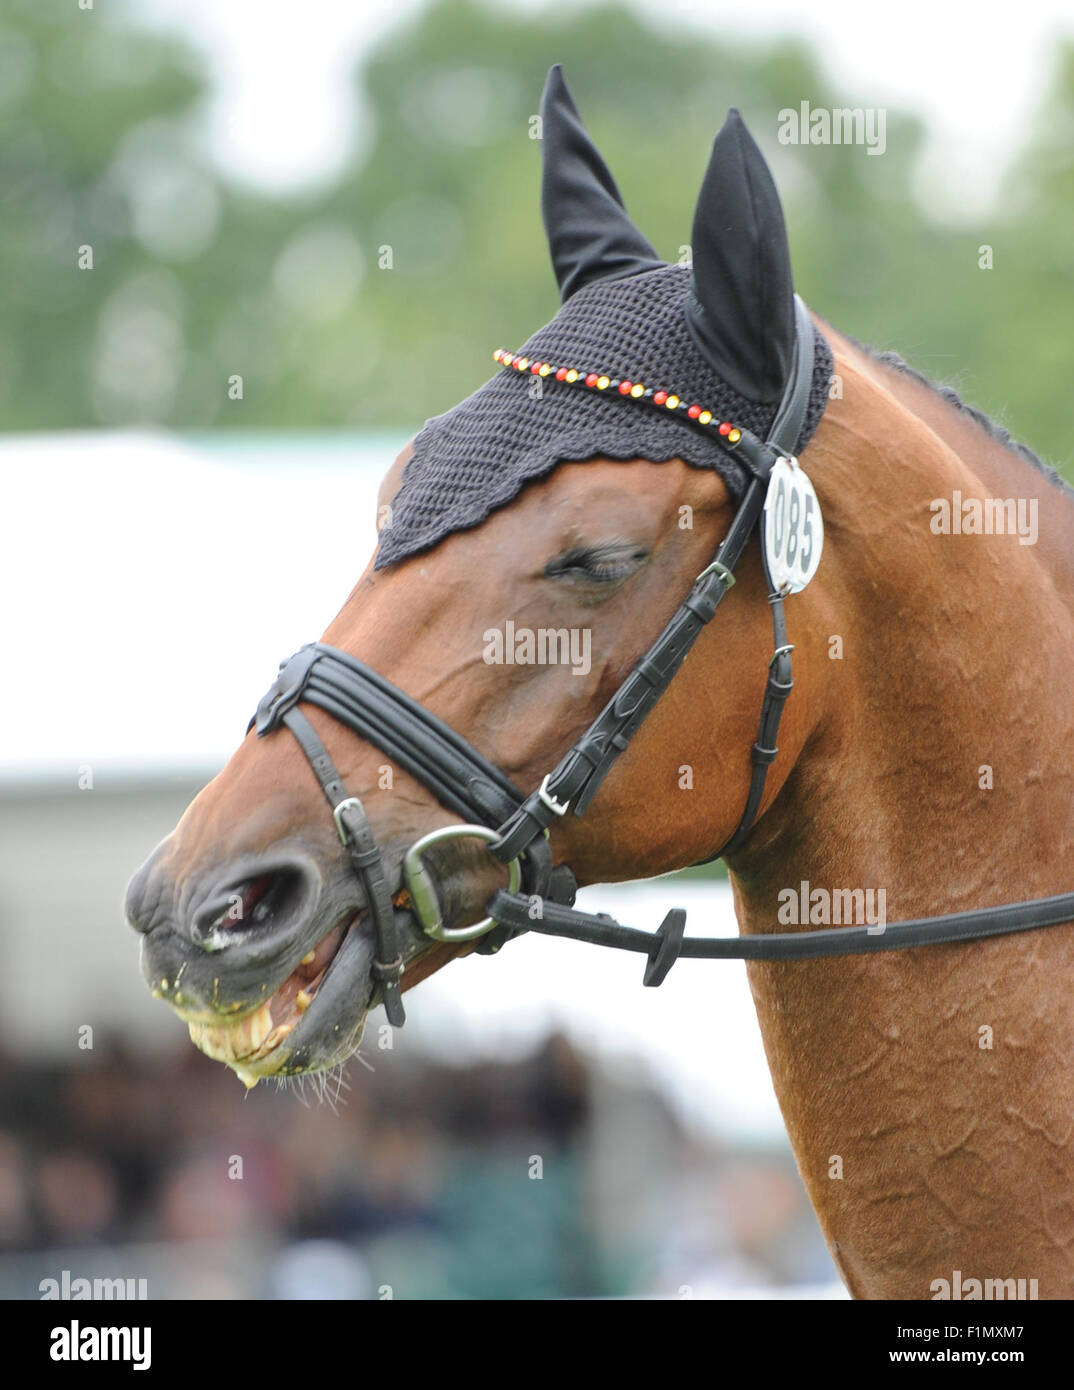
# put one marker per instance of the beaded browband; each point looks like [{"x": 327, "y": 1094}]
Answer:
[{"x": 629, "y": 390}]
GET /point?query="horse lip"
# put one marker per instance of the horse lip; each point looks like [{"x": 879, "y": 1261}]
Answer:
[
  {"x": 327, "y": 1030},
  {"x": 323, "y": 1035},
  {"x": 222, "y": 989},
  {"x": 331, "y": 1028}
]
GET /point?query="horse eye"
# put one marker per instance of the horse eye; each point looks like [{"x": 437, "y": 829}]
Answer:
[{"x": 605, "y": 564}]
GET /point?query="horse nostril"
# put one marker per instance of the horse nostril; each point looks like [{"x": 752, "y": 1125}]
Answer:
[{"x": 253, "y": 904}]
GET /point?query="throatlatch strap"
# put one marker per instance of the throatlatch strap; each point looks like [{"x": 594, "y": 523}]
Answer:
[{"x": 763, "y": 753}]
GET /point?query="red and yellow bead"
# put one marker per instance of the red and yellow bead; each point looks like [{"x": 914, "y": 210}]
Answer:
[{"x": 632, "y": 390}]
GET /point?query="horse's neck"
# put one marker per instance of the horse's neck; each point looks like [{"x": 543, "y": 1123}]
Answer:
[
  {"x": 943, "y": 716},
  {"x": 939, "y": 767}
]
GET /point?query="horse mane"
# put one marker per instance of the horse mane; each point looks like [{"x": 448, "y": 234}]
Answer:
[{"x": 948, "y": 393}]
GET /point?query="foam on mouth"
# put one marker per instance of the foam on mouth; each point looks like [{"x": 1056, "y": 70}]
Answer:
[{"x": 250, "y": 1040}]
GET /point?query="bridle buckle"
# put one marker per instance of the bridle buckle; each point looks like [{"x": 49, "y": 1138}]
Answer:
[
  {"x": 717, "y": 567},
  {"x": 337, "y": 816},
  {"x": 559, "y": 808}
]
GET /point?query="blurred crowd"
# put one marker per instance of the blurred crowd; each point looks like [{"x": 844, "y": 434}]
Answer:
[{"x": 503, "y": 1179}]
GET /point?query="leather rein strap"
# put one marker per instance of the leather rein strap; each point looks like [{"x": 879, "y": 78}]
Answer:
[
  {"x": 667, "y": 943},
  {"x": 471, "y": 787}
]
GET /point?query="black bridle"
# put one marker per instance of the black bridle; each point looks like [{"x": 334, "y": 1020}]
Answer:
[{"x": 515, "y": 826}]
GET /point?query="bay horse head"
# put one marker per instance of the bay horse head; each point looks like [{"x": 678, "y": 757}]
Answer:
[
  {"x": 533, "y": 541},
  {"x": 524, "y": 693}
]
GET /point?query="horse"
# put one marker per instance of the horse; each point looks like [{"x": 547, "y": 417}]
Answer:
[{"x": 926, "y": 754}]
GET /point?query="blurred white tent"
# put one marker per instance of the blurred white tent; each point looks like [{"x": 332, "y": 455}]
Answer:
[{"x": 156, "y": 582}]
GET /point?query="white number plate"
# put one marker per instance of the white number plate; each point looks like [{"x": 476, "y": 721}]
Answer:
[{"x": 793, "y": 528}]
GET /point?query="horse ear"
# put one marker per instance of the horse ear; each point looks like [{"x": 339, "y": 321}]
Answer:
[
  {"x": 590, "y": 235},
  {"x": 740, "y": 311}
]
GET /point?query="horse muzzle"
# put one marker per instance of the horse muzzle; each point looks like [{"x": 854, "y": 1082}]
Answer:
[{"x": 269, "y": 962}]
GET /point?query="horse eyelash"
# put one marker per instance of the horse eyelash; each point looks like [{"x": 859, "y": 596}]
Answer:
[{"x": 603, "y": 563}]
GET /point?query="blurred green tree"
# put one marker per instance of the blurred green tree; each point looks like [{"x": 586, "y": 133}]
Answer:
[{"x": 377, "y": 303}]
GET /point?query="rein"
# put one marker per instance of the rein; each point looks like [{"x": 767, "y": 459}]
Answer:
[{"x": 540, "y": 896}]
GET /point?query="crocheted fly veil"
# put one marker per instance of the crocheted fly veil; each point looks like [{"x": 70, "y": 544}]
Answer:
[{"x": 644, "y": 360}]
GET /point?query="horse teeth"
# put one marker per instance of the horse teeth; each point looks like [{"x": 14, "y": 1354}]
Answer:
[
  {"x": 303, "y": 999},
  {"x": 261, "y": 1025},
  {"x": 307, "y": 959},
  {"x": 276, "y": 1037},
  {"x": 230, "y": 1041}
]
